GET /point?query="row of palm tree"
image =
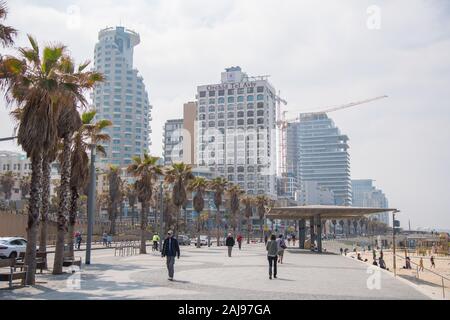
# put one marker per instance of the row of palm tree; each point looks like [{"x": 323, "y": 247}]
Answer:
[{"x": 45, "y": 90}]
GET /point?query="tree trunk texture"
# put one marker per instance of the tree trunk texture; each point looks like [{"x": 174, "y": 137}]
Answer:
[
  {"x": 218, "y": 225},
  {"x": 63, "y": 209},
  {"x": 46, "y": 171},
  {"x": 143, "y": 228},
  {"x": 72, "y": 218},
  {"x": 33, "y": 218}
]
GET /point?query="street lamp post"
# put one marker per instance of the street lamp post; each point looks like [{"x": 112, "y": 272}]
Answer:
[
  {"x": 393, "y": 242},
  {"x": 161, "y": 217},
  {"x": 91, "y": 205}
]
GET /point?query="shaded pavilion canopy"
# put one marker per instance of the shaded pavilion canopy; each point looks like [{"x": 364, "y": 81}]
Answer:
[{"x": 325, "y": 212}]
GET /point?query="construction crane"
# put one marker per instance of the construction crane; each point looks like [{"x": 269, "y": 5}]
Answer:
[{"x": 282, "y": 124}]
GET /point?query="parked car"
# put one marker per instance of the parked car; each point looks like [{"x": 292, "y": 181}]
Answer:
[
  {"x": 183, "y": 240},
  {"x": 11, "y": 247},
  {"x": 203, "y": 240}
]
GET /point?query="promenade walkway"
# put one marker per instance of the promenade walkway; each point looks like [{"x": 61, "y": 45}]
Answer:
[{"x": 208, "y": 273}]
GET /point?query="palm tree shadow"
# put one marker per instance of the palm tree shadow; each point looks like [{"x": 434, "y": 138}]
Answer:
[
  {"x": 282, "y": 279},
  {"x": 180, "y": 281}
]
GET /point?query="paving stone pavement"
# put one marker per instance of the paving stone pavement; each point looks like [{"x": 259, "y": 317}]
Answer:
[{"x": 208, "y": 273}]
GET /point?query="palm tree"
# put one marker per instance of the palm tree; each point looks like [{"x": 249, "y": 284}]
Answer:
[
  {"x": 248, "y": 202},
  {"x": 334, "y": 222},
  {"x": 89, "y": 133},
  {"x": 69, "y": 121},
  {"x": 234, "y": 192},
  {"x": 178, "y": 175},
  {"x": 198, "y": 185},
  {"x": 38, "y": 86},
  {"x": 218, "y": 186},
  {"x": 114, "y": 182},
  {"x": 341, "y": 223},
  {"x": 146, "y": 170},
  {"x": 262, "y": 202},
  {"x": 132, "y": 197},
  {"x": 7, "y": 181},
  {"x": 7, "y": 33},
  {"x": 355, "y": 226},
  {"x": 24, "y": 186}
]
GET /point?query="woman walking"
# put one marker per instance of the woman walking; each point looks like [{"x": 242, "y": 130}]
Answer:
[
  {"x": 229, "y": 242},
  {"x": 272, "y": 252}
]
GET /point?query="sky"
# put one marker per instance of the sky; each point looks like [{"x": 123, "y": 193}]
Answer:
[{"x": 317, "y": 53}]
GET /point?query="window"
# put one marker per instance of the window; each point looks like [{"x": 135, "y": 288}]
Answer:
[
  {"x": 250, "y": 121},
  {"x": 240, "y": 99},
  {"x": 260, "y": 97},
  {"x": 260, "y": 113},
  {"x": 212, "y": 116},
  {"x": 260, "y": 105},
  {"x": 212, "y": 124},
  {"x": 230, "y": 123},
  {"x": 221, "y": 115},
  {"x": 221, "y": 93},
  {"x": 250, "y": 90},
  {"x": 240, "y": 114},
  {"x": 260, "y": 121},
  {"x": 212, "y": 93},
  {"x": 221, "y": 123},
  {"x": 221, "y": 108},
  {"x": 230, "y": 91},
  {"x": 202, "y": 94},
  {"x": 230, "y": 115},
  {"x": 221, "y": 100},
  {"x": 212, "y": 101},
  {"x": 250, "y": 106},
  {"x": 260, "y": 89},
  {"x": 230, "y": 99},
  {"x": 212, "y": 109},
  {"x": 240, "y": 122},
  {"x": 202, "y": 109},
  {"x": 250, "y": 113},
  {"x": 250, "y": 98}
]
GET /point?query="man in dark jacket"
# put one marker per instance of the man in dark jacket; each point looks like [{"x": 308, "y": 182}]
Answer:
[
  {"x": 169, "y": 250},
  {"x": 229, "y": 243}
]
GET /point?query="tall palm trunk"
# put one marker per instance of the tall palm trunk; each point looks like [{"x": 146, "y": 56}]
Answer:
[
  {"x": 261, "y": 230},
  {"x": 144, "y": 223},
  {"x": 113, "y": 217},
  {"x": 63, "y": 208},
  {"x": 33, "y": 218},
  {"x": 72, "y": 217},
  {"x": 249, "y": 226},
  {"x": 218, "y": 225},
  {"x": 46, "y": 171}
]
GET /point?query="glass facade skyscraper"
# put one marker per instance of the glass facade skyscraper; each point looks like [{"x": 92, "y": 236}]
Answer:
[
  {"x": 317, "y": 151},
  {"x": 122, "y": 98},
  {"x": 367, "y": 196}
]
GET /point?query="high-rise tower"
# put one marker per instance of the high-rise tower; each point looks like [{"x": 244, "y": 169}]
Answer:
[{"x": 122, "y": 98}]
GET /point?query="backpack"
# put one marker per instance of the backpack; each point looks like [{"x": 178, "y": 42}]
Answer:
[{"x": 282, "y": 244}]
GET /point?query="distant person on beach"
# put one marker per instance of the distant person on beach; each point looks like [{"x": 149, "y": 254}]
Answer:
[
  {"x": 407, "y": 263},
  {"x": 359, "y": 257},
  {"x": 293, "y": 239},
  {"x": 432, "y": 262},
  {"x": 342, "y": 251},
  {"x": 345, "y": 251},
  {"x": 375, "y": 263},
  {"x": 421, "y": 264},
  {"x": 272, "y": 252}
]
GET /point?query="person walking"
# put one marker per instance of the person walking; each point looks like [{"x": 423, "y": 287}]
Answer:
[
  {"x": 272, "y": 252},
  {"x": 421, "y": 264},
  {"x": 155, "y": 240},
  {"x": 432, "y": 262},
  {"x": 281, "y": 246},
  {"x": 289, "y": 240},
  {"x": 79, "y": 239},
  {"x": 239, "y": 241},
  {"x": 105, "y": 239},
  {"x": 109, "y": 240},
  {"x": 293, "y": 239},
  {"x": 229, "y": 242},
  {"x": 265, "y": 239},
  {"x": 170, "y": 250}
]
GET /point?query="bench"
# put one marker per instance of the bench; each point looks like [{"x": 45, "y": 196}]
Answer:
[
  {"x": 41, "y": 261},
  {"x": 12, "y": 274},
  {"x": 70, "y": 261}
]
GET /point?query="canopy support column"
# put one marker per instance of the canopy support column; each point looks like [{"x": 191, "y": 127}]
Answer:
[
  {"x": 319, "y": 233},
  {"x": 301, "y": 233},
  {"x": 311, "y": 232}
]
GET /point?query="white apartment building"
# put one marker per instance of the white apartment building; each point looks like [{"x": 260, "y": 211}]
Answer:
[
  {"x": 122, "y": 98},
  {"x": 236, "y": 126}
]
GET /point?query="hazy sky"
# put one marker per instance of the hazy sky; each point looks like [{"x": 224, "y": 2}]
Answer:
[{"x": 318, "y": 53}]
